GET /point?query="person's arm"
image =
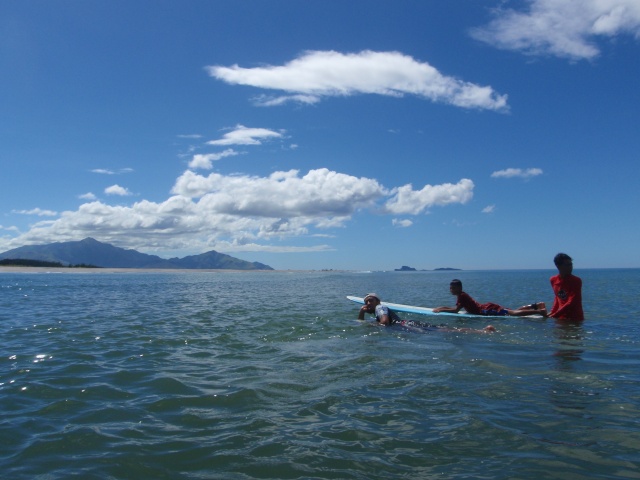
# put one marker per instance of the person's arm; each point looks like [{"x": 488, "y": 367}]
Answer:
[
  {"x": 556, "y": 300},
  {"x": 455, "y": 309},
  {"x": 364, "y": 309},
  {"x": 573, "y": 298},
  {"x": 384, "y": 320}
]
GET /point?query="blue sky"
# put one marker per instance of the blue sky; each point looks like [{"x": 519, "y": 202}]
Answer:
[{"x": 360, "y": 135}]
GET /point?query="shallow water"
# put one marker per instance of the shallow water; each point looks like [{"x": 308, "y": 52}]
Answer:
[{"x": 268, "y": 375}]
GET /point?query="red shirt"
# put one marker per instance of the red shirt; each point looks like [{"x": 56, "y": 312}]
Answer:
[
  {"x": 471, "y": 306},
  {"x": 567, "y": 304}
]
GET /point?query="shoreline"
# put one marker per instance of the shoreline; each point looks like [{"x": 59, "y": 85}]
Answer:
[
  {"x": 21, "y": 269},
  {"x": 106, "y": 270}
]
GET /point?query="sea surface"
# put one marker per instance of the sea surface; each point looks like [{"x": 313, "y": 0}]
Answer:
[{"x": 268, "y": 375}]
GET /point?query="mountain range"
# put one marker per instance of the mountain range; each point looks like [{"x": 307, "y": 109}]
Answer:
[{"x": 92, "y": 252}]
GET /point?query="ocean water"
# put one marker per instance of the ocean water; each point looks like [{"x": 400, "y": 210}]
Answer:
[{"x": 268, "y": 375}]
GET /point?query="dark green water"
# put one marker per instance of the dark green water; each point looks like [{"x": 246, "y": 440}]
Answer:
[{"x": 269, "y": 376}]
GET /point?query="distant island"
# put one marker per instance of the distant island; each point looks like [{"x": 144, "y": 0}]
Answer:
[
  {"x": 90, "y": 253},
  {"x": 405, "y": 268}
]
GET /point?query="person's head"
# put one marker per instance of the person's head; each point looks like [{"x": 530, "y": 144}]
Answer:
[
  {"x": 455, "y": 287},
  {"x": 564, "y": 263},
  {"x": 372, "y": 299}
]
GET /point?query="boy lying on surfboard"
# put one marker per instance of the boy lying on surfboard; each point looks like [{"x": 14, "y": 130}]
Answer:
[
  {"x": 465, "y": 301},
  {"x": 386, "y": 317}
]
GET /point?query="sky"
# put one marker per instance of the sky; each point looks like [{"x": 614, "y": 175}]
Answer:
[{"x": 325, "y": 134}]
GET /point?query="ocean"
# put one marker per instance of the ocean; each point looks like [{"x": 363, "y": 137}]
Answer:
[{"x": 269, "y": 375}]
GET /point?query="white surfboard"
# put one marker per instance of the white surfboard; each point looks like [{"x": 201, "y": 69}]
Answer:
[{"x": 397, "y": 307}]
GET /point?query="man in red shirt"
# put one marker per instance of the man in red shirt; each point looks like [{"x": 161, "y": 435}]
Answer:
[{"x": 567, "y": 304}]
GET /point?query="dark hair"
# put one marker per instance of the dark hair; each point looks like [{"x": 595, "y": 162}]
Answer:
[
  {"x": 560, "y": 258},
  {"x": 455, "y": 281}
]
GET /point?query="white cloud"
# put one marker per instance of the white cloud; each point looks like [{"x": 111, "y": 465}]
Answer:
[
  {"x": 317, "y": 74},
  {"x": 517, "y": 173},
  {"x": 563, "y": 28},
  {"x": 396, "y": 222},
  {"x": 11, "y": 228},
  {"x": 319, "y": 193},
  {"x": 104, "y": 171},
  {"x": 205, "y": 161},
  {"x": 489, "y": 209},
  {"x": 117, "y": 190},
  {"x": 87, "y": 196},
  {"x": 242, "y": 135},
  {"x": 269, "y": 101},
  {"x": 37, "y": 211},
  {"x": 405, "y": 200},
  {"x": 255, "y": 247},
  {"x": 239, "y": 212}
]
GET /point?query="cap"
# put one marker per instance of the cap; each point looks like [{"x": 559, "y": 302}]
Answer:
[{"x": 374, "y": 295}]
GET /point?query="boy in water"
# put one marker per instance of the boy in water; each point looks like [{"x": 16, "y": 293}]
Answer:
[
  {"x": 567, "y": 304},
  {"x": 386, "y": 317},
  {"x": 465, "y": 301}
]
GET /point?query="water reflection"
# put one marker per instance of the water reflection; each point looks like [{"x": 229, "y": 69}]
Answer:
[
  {"x": 569, "y": 338},
  {"x": 571, "y": 392}
]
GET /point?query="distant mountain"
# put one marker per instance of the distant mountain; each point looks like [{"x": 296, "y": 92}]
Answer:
[
  {"x": 92, "y": 252},
  {"x": 214, "y": 259}
]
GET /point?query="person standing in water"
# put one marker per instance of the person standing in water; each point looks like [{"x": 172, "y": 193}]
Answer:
[{"x": 567, "y": 304}]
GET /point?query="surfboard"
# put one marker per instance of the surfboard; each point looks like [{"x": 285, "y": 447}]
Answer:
[{"x": 398, "y": 307}]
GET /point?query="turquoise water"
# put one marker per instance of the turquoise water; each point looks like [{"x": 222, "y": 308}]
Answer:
[{"x": 267, "y": 375}]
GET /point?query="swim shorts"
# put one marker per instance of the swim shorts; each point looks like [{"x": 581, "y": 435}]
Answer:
[{"x": 496, "y": 313}]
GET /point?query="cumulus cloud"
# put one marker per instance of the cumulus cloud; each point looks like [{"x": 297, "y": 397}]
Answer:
[
  {"x": 563, "y": 28},
  {"x": 319, "y": 193},
  {"x": 117, "y": 190},
  {"x": 242, "y": 135},
  {"x": 241, "y": 212},
  {"x": 87, "y": 196},
  {"x": 318, "y": 74},
  {"x": 37, "y": 211},
  {"x": 205, "y": 161},
  {"x": 406, "y": 200},
  {"x": 517, "y": 173}
]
